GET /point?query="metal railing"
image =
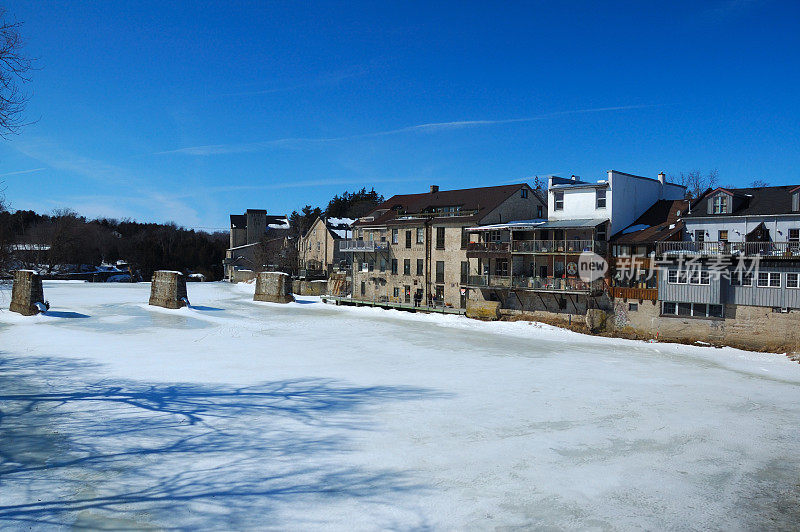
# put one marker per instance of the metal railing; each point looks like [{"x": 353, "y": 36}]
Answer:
[
  {"x": 557, "y": 284},
  {"x": 500, "y": 281},
  {"x": 558, "y": 246},
  {"x": 749, "y": 249},
  {"x": 362, "y": 245},
  {"x": 497, "y": 247}
]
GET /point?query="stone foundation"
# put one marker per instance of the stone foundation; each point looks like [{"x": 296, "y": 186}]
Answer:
[
  {"x": 26, "y": 293},
  {"x": 310, "y": 288},
  {"x": 168, "y": 290},
  {"x": 274, "y": 287},
  {"x": 483, "y": 310}
]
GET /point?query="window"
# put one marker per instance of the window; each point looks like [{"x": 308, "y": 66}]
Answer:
[
  {"x": 408, "y": 239},
  {"x": 700, "y": 235},
  {"x": 600, "y": 198},
  {"x": 396, "y": 292},
  {"x": 395, "y": 236},
  {"x": 406, "y": 266},
  {"x": 420, "y": 235},
  {"x": 794, "y": 235},
  {"x": 394, "y": 266},
  {"x": 523, "y": 193},
  {"x": 720, "y": 204},
  {"x": 722, "y": 236},
  {"x": 769, "y": 279},
  {"x": 440, "y": 238},
  {"x": 439, "y": 271},
  {"x": 792, "y": 280},
  {"x": 558, "y": 203},
  {"x": 420, "y": 267},
  {"x": 633, "y": 307},
  {"x": 696, "y": 310},
  {"x": 740, "y": 278},
  {"x": 501, "y": 267},
  {"x": 383, "y": 265}
]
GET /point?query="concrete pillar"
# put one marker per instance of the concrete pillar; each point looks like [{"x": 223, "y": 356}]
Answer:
[
  {"x": 168, "y": 290},
  {"x": 275, "y": 287},
  {"x": 26, "y": 293}
]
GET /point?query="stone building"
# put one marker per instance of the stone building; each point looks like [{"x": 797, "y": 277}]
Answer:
[
  {"x": 248, "y": 231},
  {"x": 413, "y": 247},
  {"x": 318, "y": 251}
]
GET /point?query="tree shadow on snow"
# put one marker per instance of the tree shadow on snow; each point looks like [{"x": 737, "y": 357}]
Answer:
[{"x": 89, "y": 453}]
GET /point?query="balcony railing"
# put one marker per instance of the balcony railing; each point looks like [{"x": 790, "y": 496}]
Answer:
[
  {"x": 558, "y": 246},
  {"x": 553, "y": 284},
  {"x": 489, "y": 247},
  {"x": 748, "y": 249},
  {"x": 362, "y": 245},
  {"x": 500, "y": 281}
]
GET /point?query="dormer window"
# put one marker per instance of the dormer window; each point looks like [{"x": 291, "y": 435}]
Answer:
[{"x": 720, "y": 204}]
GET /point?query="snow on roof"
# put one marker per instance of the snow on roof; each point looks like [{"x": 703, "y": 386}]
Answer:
[
  {"x": 341, "y": 221},
  {"x": 518, "y": 224},
  {"x": 284, "y": 224}
]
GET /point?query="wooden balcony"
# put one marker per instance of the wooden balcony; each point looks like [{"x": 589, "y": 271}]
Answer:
[{"x": 625, "y": 292}]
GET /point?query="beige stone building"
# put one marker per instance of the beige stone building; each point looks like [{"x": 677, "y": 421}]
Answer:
[
  {"x": 319, "y": 251},
  {"x": 413, "y": 247}
]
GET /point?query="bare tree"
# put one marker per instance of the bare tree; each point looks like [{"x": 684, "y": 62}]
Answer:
[
  {"x": 696, "y": 183},
  {"x": 15, "y": 67}
]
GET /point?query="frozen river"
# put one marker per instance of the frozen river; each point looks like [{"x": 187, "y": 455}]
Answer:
[{"x": 243, "y": 415}]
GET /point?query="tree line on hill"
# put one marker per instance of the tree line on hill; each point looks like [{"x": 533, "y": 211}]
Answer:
[{"x": 48, "y": 242}]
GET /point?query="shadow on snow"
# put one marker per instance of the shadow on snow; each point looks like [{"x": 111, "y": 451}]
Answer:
[{"x": 190, "y": 452}]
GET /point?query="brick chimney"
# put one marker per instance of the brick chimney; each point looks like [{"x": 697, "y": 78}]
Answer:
[{"x": 434, "y": 188}]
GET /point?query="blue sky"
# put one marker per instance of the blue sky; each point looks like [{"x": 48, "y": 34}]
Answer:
[{"x": 189, "y": 111}]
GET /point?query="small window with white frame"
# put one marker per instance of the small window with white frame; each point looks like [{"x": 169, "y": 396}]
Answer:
[
  {"x": 769, "y": 279},
  {"x": 600, "y": 198},
  {"x": 558, "y": 200},
  {"x": 793, "y": 280}
]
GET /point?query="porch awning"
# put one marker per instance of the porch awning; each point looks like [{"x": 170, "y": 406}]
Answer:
[
  {"x": 575, "y": 223},
  {"x": 519, "y": 224}
]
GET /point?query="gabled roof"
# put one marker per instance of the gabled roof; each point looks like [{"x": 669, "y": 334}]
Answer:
[
  {"x": 660, "y": 222},
  {"x": 474, "y": 204},
  {"x": 754, "y": 201}
]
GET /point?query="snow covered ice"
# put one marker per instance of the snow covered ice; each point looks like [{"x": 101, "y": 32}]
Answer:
[{"x": 234, "y": 414}]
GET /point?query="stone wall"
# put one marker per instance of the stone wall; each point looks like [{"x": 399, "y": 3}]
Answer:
[
  {"x": 273, "y": 287},
  {"x": 26, "y": 293},
  {"x": 168, "y": 290}
]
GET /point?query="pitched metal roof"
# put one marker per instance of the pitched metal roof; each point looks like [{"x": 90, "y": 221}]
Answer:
[
  {"x": 474, "y": 204},
  {"x": 754, "y": 201}
]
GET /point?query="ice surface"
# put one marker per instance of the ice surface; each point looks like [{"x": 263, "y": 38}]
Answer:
[{"x": 235, "y": 414}]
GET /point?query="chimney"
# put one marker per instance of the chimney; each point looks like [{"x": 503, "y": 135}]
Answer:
[
  {"x": 661, "y": 178},
  {"x": 434, "y": 188}
]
